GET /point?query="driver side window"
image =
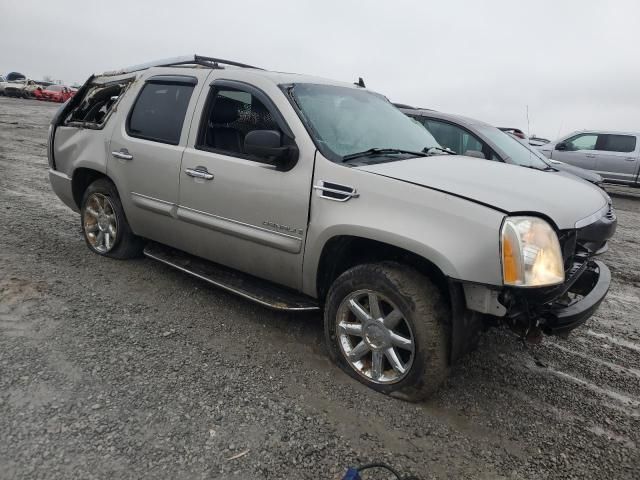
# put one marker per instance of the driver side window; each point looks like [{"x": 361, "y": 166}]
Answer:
[
  {"x": 233, "y": 113},
  {"x": 584, "y": 141}
]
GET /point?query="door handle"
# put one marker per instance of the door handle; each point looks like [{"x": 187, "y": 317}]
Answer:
[
  {"x": 199, "y": 172},
  {"x": 123, "y": 154},
  {"x": 630, "y": 159},
  {"x": 589, "y": 155}
]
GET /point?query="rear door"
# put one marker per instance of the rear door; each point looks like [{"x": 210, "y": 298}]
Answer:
[
  {"x": 579, "y": 150},
  {"x": 617, "y": 157},
  {"x": 146, "y": 149}
]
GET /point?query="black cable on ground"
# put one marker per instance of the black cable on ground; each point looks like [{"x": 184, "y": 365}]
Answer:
[{"x": 385, "y": 467}]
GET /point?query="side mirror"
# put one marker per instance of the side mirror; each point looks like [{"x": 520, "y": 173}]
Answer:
[
  {"x": 561, "y": 146},
  {"x": 475, "y": 153},
  {"x": 267, "y": 144}
]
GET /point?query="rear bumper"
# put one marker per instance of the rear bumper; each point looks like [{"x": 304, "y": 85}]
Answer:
[
  {"x": 61, "y": 185},
  {"x": 592, "y": 286}
]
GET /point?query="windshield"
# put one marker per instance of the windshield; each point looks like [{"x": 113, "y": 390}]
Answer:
[
  {"x": 516, "y": 152},
  {"x": 55, "y": 88},
  {"x": 346, "y": 120}
]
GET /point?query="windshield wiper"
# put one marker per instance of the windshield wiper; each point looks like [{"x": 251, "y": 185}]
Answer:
[
  {"x": 430, "y": 150},
  {"x": 548, "y": 168},
  {"x": 381, "y": 151}
]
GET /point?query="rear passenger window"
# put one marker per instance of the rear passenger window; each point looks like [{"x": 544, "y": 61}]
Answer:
[
  {"x": 159, "y": 112},
  {"x": 617, "y": 143},
  {"x": 232, "y": 114}
]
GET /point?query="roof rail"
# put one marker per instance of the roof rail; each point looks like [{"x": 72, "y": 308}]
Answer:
[
  {"x": 208, "y": 62},
  {"x": 403, "y": 105}
]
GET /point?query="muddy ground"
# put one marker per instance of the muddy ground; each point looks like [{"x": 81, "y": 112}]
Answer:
[{"x": 114, "y": 369}]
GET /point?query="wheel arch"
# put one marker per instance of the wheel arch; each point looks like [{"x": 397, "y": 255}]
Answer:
[
  {"x": 341, "y": 252},
  {"x": 81, "y": 179}
]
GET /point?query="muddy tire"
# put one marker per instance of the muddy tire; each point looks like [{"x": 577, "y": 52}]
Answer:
[
  {"x": 399, "y": 346},
  {"x": 104, "y": 223}
]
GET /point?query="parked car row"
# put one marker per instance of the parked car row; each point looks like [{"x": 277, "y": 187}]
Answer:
[
  {"x": 40, "y": 90},
  {"x": 595, "y": 156},
  {"x": 301, "y": 193}
]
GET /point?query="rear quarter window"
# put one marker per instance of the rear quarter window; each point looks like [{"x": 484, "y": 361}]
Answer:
[
  {"x": 93, "y": 108},
  {"x": 159, "y": 111}
]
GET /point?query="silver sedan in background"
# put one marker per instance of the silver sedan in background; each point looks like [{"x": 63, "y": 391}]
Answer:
[{"x": 475, "y": 138}]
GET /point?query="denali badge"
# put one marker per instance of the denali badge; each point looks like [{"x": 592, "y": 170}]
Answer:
[{"x": 286, "y": 228}]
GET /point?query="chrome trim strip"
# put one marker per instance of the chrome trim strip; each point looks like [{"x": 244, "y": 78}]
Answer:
[
  {"x": 223, "y": 286},
  {"x": 152, "y": 198},
  {"x": 264, "y": 236},
  {"x": 153, "y": 204},
  {"x": 239, "y": 222}
]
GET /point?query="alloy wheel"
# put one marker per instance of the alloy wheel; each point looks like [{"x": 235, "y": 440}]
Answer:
[
  {"x": 374, "y": 337},
  {"x": 100, "y": 223}
]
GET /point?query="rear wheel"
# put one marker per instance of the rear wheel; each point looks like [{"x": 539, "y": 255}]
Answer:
[
  {"x": 104, "y": 224},
  {"x": 385, "y": 325}
]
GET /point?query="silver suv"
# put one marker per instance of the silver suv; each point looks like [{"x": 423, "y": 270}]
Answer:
[{"x": 302, "y": 193}]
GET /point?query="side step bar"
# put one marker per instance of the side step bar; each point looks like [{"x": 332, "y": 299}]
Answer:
[{"x": 252, "y": 288}]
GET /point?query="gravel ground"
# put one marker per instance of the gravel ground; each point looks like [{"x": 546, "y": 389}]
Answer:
[{"x": 112, "y": 369}]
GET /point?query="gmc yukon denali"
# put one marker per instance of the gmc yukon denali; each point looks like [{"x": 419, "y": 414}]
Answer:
[{"x": 302, "y": 193}]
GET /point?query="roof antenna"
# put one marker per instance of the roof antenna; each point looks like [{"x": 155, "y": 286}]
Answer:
[{"x": 360, "y": 83}]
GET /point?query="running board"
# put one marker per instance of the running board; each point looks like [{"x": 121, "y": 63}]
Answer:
[{"x": 260, "y": 291}]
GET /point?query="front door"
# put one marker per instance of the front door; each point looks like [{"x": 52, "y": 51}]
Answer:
[
  {"x": 579, "y": 150},
  {"x": 237, "y": 209}
]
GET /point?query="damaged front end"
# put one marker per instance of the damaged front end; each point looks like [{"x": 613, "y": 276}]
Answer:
[{"x": 558, "y": 309}]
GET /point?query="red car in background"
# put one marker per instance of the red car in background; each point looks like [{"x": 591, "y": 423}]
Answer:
[{"x": 57, "y": 93}]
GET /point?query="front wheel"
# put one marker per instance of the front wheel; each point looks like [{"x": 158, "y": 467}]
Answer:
[
  {"x": 104, "y": 224},
  {"x": 385, "y": 325}
]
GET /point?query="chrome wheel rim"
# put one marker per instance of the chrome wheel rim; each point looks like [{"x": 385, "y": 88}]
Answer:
[
  {"x": 374, "y": 337},
  {"x": 100, "y": 223}
]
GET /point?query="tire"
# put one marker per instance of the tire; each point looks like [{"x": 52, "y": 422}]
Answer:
[
  {"x": 425, "y": 318},
  {"x": 101, "y": 212}
]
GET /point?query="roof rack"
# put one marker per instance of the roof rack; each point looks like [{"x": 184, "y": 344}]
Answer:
[{"x": 208, "y": 62}]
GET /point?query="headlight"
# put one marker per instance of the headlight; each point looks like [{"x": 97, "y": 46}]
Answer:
[{"x": 531, "y": 255}]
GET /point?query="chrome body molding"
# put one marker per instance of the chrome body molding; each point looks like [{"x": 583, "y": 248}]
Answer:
[
  {"x": 153, "y": 204},
  {"x": 264, "y": 236},
  {"x": 279, "y": 240}
]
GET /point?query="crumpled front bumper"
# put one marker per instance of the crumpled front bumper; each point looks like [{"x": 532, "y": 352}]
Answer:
[{"x": 590, "y": 287}]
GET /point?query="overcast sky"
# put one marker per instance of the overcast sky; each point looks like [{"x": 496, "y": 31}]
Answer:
[{"x": 574, "y": 63}]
